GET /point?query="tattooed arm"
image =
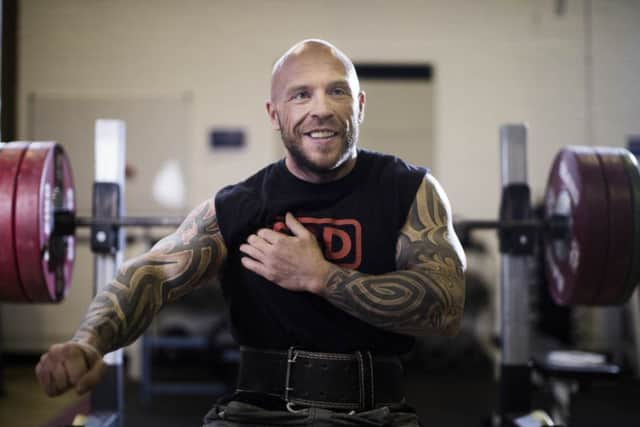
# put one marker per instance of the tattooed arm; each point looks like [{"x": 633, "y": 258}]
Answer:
[
  {"x": 124, "y": 309},
  {"x": 172, "y": 268},
  {"x": 425, "y": 295}
]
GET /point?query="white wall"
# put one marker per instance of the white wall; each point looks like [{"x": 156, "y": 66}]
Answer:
[{"x": 495, "y": 61}]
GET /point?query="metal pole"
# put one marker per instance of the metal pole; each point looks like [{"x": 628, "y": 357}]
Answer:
[
  {"x": 633, "y": 311},
  {"x": 515, "y": 389},
  {"x": 107, "y": 400},
  {"x": 129, "y": 221}
]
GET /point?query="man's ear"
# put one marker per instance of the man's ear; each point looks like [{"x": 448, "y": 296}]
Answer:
[
  {"x": 273, "y": 115},
  {"x": 362, "y": 98}
]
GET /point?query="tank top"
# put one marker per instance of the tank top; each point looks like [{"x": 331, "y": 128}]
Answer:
[{"x": 356, "y": 219}]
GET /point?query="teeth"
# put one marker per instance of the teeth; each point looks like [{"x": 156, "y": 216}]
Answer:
[{"x": 321, "y": 134}]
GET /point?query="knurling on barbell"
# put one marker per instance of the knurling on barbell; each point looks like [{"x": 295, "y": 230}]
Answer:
[{"x": 591, "y": 224}]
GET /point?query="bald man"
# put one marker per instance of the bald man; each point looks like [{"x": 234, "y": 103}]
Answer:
[{"x": 331, "y": 261}]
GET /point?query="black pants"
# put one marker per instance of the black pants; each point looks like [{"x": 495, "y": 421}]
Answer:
[{"x": 236, "y": 413}]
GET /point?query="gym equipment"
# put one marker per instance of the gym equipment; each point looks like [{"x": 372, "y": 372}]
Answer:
[
  {"x": 594, "y": 189},
  {"x": 591, "y": 227},
  {"x": 563, "y": 373},
  {"x": 42, "y": 185},
  {"x": 37, "y": 216},
  {"x": 107, "y": 398},
  {"x": 590, "y": 260},
  {"x": 10, "y": 159},
  {"x": 537, "y": 418}
]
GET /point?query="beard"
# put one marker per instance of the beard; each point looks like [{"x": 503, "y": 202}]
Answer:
[{"x": 293, "y": 143}]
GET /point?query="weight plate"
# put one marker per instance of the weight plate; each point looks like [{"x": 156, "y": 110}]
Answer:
[
  {"x": 576, "y": 187},
  {"x": 10, "y": 287},
  {"x": 65, "y": 198},
  {"x": 631, "y": 166},
  {"x": 44, "y": 183},
  {"x": 620, "y": 238}
]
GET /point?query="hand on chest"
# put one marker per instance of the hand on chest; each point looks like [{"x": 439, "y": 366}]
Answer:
[{"x": 340, "y": 239}]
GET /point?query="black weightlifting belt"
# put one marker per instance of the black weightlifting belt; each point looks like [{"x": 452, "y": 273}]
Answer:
[{"x": 355, "y": 381}]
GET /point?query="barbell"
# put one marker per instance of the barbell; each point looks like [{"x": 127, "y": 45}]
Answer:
[
  {"x": 591, "y": 224},
  {"x": 38, "y": 222}
]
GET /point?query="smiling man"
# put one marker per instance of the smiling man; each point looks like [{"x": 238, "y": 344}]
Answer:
[
  {"x": 331, "y": 261},
  {"x": 317, "y": 106}
]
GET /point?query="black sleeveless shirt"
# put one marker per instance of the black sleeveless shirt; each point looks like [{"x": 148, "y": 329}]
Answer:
[{"x": 356, "y": 219}]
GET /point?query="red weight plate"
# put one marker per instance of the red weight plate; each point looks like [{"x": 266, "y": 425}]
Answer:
[
  {"x": 44, "y": 182},
  {"x": 620, "y": 241},
  {"x": 66, "y": 199},
  {"x": 10, "y": 286},
  {"x": 631, "y": 166},
  {"x": 576, "y": 187}
]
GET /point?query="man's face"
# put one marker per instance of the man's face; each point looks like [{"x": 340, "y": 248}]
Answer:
[{"x": 317, "y": 108}]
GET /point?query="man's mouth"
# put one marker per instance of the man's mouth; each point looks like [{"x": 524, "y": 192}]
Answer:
[{"x": 321, "y": 134}]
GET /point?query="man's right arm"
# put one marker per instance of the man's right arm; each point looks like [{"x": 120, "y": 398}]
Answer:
[
  {"x": 172, "y": 268},
  {"x": 123, "y": 310}
]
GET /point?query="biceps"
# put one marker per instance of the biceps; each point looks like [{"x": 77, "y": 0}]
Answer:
[
  {"x": 196, "y": 246},
  {"x": 428, "y": 236}
]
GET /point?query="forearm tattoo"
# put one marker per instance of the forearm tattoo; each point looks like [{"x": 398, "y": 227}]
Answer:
[
  {"x": 172, "y": 268},
  {"x": 426, "y": 293}
]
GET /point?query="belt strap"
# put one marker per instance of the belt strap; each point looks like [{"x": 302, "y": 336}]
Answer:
[{"x": 353, "y": 381}]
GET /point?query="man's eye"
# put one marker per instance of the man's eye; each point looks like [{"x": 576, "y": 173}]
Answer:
[
  {"x": 300, "y": 95},
  {"x": 338, "y": 91}
]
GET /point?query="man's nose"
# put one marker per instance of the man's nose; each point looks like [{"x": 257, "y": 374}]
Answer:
[{"x": 321, "y": 107}]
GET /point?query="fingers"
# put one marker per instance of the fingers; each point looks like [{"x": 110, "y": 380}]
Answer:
[
  {"x": 264, "y": 239},
  {"x": 270, "y": 236},
  {"x": 63, "y": 367},
  {"x": 252, "y": 251},
  {"x": 60, "y": 379},
  {"x": 92, "y": 378},
  {"x": 75, "y": 363},
  {"x": 51, "y": 372},
  {"x": 261, "y": 243},
  {"x": 257, "y": 267},
  {"x": 295, "y": 226},
  {"x": 43, "y": 373}
]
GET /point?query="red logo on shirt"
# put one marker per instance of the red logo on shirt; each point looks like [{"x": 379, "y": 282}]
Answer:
[{"x": 340, "y": 239}]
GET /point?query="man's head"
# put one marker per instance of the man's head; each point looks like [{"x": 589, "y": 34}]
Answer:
[{"x": 316, "y": 104}]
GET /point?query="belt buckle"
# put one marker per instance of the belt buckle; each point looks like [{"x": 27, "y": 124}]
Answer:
[{"x": 292, "y": 355}]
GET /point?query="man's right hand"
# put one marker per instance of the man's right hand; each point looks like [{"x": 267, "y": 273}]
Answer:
[{"x": 70, "y": 365}]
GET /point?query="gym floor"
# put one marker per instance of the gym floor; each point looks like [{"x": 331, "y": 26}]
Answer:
[{"x": 451, "y": 393}]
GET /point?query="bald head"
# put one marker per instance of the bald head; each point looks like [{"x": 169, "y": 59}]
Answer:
[
  {"x": 317, "y": 106},
  {"x": 310, "y": 49}
]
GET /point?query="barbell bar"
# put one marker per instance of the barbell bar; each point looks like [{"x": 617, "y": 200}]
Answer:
[
  {"x": 557, "y": 226},
  {"x": 591, "y": 224},
  {"x": 66, "y": 222}
]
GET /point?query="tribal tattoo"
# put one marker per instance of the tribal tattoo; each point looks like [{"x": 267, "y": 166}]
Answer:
[
  {"x": 174, "y": 266},
  {"x": 426, "y": 294}
]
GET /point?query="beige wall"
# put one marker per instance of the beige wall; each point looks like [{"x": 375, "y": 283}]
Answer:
[{"x": 495, "y": 61}]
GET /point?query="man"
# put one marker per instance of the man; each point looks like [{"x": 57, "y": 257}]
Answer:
[{"x": 331, "y": 260}]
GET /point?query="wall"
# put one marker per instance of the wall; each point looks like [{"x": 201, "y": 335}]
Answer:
[{"x": 571, "y": 76}]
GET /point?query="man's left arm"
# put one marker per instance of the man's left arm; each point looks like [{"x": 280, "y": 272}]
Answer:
[{"x": 425, "y": 295}]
